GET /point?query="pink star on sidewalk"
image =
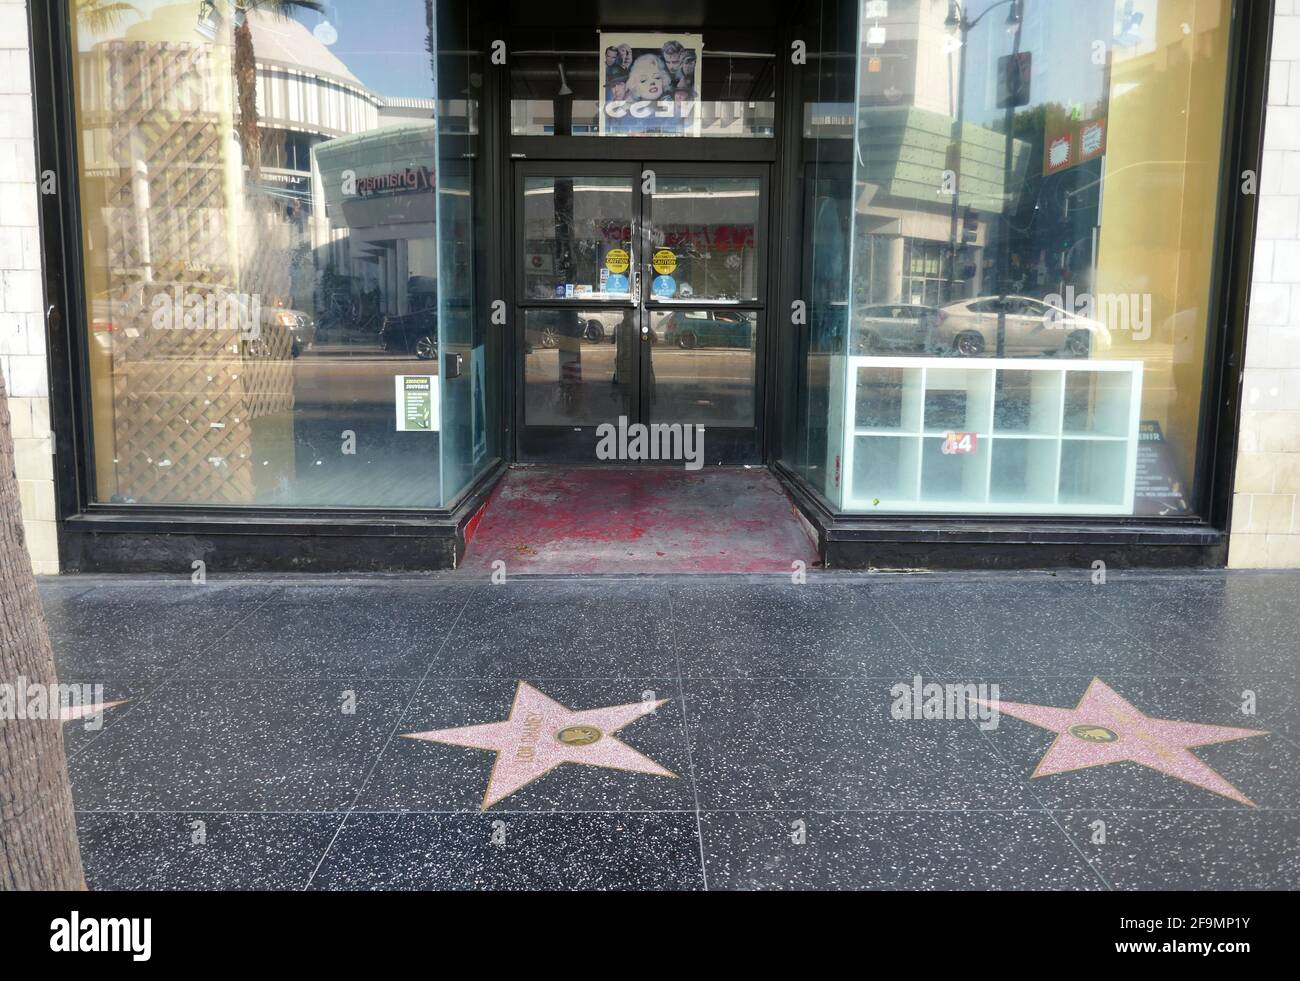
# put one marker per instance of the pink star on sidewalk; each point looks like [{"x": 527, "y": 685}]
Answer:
[
  {"x": 1105, "y": 728},
  {"x": 541, "y": 734}
]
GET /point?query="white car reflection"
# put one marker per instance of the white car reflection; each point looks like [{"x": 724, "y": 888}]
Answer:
[{"x": 1033, "y": 328}]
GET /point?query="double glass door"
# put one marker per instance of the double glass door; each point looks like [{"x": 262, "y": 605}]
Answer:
[{"x": 640, "y": 299}]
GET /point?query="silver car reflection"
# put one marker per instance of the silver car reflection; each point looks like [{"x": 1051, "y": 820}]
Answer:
[{"x": 1033, "y": 328}]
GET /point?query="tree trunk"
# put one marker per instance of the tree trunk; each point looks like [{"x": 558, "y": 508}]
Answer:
[
  {"x": 38, "y": 834},
  {"x": 250, "y": 133}
]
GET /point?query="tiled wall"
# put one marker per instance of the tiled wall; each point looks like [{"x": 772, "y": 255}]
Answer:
[
  {"x": 22, "y": 331},
  {"x": 1266, "y": 514}
]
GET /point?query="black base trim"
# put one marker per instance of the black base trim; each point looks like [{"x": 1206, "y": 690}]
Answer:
[
  {"x": 869, "y": 542},
  {"x": 158, "y": 542}
]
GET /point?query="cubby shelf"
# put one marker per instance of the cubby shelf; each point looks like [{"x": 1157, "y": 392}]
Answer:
[{"x": 1050, "y": 436}]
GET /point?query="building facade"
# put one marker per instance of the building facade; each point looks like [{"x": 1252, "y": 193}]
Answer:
[
  {"x": 1266, "y": 519},
  {"x": 22, "y": 327},
  {"x": 972, "y": 279}
]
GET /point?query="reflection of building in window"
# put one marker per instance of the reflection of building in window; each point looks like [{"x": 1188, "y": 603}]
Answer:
[
  {"x": 925, "y": 272},
  {"x": 305, "y": 95},
  {"x": 381, "y": 207},
  {"x": 204, "y": 413},
  {"x": 174, "y": 408},
  {"x": 905, "y": 195},
  {"x": 911, "y": 162},
  {"x": 307, "y": 98}
]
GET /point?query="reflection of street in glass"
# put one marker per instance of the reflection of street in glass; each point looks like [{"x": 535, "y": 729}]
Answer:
[{"x": 708, "y": 386}]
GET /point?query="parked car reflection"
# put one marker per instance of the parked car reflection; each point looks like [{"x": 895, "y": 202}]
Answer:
[
  {"x": 600, "y": 325},
  {"x": 969, "y": 328},
  {"x": 895, "y": 327},
  {"x": 300, "y": 326},
  {"x": 414, "y": 333},
  {"x": 690, "y": 329},
  {"x": 554, "y": 328}
]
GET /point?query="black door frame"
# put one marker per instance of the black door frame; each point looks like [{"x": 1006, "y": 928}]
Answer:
[{"x": 577, "y": 443}]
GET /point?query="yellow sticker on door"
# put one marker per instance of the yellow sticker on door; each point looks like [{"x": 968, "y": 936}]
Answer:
[
  {"x": 665, "y": 262},
  {"x": 616, "y": 260}
]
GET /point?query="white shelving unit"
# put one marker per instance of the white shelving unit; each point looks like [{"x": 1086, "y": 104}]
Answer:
[{"x": 1051, "y": 436}]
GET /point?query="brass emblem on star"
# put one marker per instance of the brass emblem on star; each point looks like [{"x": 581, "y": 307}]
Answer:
[
  {"x": 1093, "y": 734},
  {"x": 579, "y": 735}
]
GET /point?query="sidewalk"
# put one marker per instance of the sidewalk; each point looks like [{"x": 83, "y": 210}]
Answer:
[{"x": 260, "y": 744}]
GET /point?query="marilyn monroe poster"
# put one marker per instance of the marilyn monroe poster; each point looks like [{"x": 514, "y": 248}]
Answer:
[{"x": 650, "y": 84}]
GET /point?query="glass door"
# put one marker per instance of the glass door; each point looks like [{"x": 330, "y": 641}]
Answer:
[
  {"x": 705, "y": 252},
  {"x": 640, "y": 293},
  {"x": 577, "y": 255}
]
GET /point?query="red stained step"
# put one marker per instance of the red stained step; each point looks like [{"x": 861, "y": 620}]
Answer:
[{"x": 567, "y": 520}]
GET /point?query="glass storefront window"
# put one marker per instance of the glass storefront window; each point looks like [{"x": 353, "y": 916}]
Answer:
[
  {"x": 268, "y": 297},
  {"x": 812, "y": 346},
  {"x": 470, "y": 424},
  {"x": 1030, "y": 242}
]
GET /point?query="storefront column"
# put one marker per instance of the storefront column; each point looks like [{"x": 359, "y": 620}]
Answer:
[
  {"x": 894, "y": 274},
  {"x": 402, "y": 273}
]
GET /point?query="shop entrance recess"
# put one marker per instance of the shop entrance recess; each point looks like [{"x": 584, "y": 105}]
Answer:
[{"x": 640, "y": 300}]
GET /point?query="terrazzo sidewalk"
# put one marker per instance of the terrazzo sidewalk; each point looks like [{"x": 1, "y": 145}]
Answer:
[{"x": 260, "y": 741}]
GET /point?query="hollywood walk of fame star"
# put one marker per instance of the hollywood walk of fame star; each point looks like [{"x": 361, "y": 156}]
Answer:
[
  {"x": 540, "y": 734},
  {"x": 1105, "y": 728}
]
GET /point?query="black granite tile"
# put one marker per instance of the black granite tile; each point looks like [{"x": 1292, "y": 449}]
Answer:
[
  {"x": 1229, "y": 848},
  {"x": 202, "y": 851},
  {"x": 337, "y": 631},
  {"x": 240, "y": 746},
  {"x": 80, "y": 733},
  {"x": 1263, "y": 767},
  {"x": 1016, "y": 627},
  {"x": 1274, "y": 699},
  {"x": 1243, "y": 624},
  {"x": 60, "y": 589},
  {"x": 134, "y": 630},
  {"x": 1258, "y": 701},
  {"x": 830, "y": 744},
  {"x": 561, "y": 629},
  {"x": 418, "y": 775},
  {"x": 783, "y": 630},
  {"x": 891, "y": 850},
  {"x": 530, "y": 852}
]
